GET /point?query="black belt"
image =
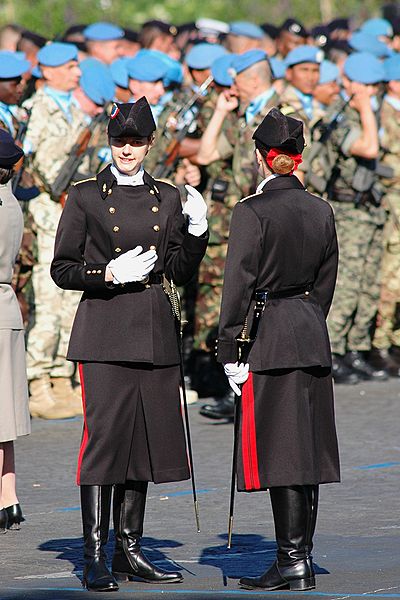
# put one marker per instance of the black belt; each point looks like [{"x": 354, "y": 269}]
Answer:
[
  {"x": 264, "y": 295},
  {"x": 155, "y": 278}
]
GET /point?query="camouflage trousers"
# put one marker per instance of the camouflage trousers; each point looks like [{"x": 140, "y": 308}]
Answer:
[
  {"x": 387, "y": 331},
  {"x": 355, "y": 302},
  {"x": 54, "y": 309},
  {"x": 209, "y": 294}
]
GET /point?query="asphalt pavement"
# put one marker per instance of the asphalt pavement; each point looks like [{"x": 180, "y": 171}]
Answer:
[{"x": 357, "y": 543}]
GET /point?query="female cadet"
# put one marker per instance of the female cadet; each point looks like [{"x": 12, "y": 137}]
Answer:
[
  {"x": 119, "y": 233},
  {"x": 283, "y": 252}
]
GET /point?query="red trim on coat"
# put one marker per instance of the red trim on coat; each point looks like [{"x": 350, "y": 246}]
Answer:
[
  {"x": 249, "y": 437},
  {"x": 85, "y": 436}
]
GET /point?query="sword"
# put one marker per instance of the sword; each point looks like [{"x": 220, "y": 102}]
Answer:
[{"x": 244, "y": 345}]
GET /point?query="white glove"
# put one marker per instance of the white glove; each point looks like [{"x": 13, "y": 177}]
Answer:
[
  {"x": 236, "y": 374},
  {"x": 196, "y": 209},
  {"x": 133, "y": 265}
]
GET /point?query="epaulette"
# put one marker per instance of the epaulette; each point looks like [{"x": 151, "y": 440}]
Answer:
[
  {"x": 84, "y": 180},
  {"x": 286, "y": 109},
  {"x": 247, "y": 197},
  {"x": 168, "y": 182}
]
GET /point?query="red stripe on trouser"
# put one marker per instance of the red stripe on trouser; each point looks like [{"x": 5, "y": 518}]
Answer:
[
  {"x": 249, "y": 438},
  {"x": 85, "y": 429}
]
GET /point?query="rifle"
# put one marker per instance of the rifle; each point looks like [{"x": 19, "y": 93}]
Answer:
[
  {"x": 317, "y": 182},
  {"x": 78, "y": 151},
  {"x": 19, "y": 140},
  {"x": 167, "y": 162}
]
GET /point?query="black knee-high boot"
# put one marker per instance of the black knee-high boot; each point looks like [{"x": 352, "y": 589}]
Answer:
[
  {"x": 312, "y": 495},
  {"x": 96, "y": 505},
  {"x": 293, "y": 567},
  {"x": 129, "y": 562}
]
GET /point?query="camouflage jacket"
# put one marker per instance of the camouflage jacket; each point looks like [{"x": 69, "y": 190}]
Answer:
[
  {"x": 390, "y": 141},
  {"x": 51, "y": 136}
]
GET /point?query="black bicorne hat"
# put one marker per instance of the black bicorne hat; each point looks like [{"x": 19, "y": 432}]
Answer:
[
  {"x": 279, "y": 131},
  {"x": 131, "y": 119}
]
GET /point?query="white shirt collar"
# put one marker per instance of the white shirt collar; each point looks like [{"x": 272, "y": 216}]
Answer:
[
  {"x": 123, "y": 179},
  {"x": 264, "y": 181}
]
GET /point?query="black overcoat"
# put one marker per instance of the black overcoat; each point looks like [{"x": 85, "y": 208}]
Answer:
[
  {"x": 100, "y": 221},
  {"x": 280, "y": 239},
  {"x": 124, "y": 337}
]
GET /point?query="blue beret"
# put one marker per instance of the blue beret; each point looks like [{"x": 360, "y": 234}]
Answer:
[
  {"x": 377, "y": 27},
  {"x": 146, "y": 67},
  {"x": 96, "y": 81},
  {"x": 12, "y": 65},
  {"x": 364, "y": 42},
  {"x": 392, "y": 68},
  {"x": 304, "y": 54},
  {"x": 10, "y": 153},
  {"x": 119, "y": 72},
  {"x": 103, "y": 32},
  {"x": 202, "y": 56},
  {"x": 364, "y": 68},
  {"x": 278, "y": 67},
  {"x": 246, "y": 29},
  {"x": 174, "y": 72},
  {"x": 246, "y": 60},
  {"x": 56, "y": 54},
  {"x": 220, "y": 70},
  {"x": 36, "y": 72},
  {"x": 328, "y": 72}
]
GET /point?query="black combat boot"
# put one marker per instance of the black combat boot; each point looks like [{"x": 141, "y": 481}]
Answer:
[
  {"x": 293, "y": 568},
  {"x": 129, "y": 562},
  {"x": 355, "y": 360},
  {"x": 222, "y": 409},
  {"x": 381, "y": 359},
  {"x": 341, "y": 373},
  {"x": 96, "y": 505}
]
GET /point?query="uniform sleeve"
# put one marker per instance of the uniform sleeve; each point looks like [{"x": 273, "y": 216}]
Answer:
[
  {"x": 240, "y": 278},
  {"x": 325, "y": 281},
  {"x": 184, "y": 251},
  {"x": 68, "y": 268}
]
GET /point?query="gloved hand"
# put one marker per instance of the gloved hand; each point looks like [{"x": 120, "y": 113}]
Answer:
[
  {"x": 133, "y": 265},
  {"x": 236, "y": 374},
  {"x": 196, "y": 209}
]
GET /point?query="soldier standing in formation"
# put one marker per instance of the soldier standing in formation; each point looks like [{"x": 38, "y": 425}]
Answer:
[
  {"x": 282, "y": 252},
  {"x": 139, "y": 436}
]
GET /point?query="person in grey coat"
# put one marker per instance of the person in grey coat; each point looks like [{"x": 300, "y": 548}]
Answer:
[
  {"x": 14, "y": 412},
  {"x": 283, "y": 252}
]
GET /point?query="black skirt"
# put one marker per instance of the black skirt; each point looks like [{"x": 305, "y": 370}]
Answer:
[
  {"x": 287, "y": 430},
  {"x": 133, "y": 427}
]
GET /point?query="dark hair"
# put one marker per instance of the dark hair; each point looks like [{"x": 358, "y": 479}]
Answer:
[{"x": 5, "y": 175}]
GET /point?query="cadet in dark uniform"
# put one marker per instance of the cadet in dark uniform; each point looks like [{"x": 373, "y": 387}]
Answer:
[
  {"x": 118, "y": 234},
  {"x": 282, "y": 245}
]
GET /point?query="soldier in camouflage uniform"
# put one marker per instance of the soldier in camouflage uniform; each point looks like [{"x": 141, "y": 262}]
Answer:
[
  {"x": 387, "y": 333},
  {"x": 359, "y": 221},
  {"x": 228, "y": 141},
  {"x": 54, "y": 125}
]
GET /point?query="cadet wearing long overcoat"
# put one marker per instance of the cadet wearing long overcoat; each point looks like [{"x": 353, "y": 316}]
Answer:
[{"x": 282, "y": 241}]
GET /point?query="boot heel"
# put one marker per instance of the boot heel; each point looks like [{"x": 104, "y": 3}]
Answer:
[
  {"x": 121, "y": 577},
  {"x": 300, "y": 585}
]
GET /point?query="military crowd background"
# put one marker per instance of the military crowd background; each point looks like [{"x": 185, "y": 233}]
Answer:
[{"x": 210, "y": 84}]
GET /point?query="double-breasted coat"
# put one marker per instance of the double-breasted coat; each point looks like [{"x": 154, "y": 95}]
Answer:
[
  {"x": 124, "y": 337},
  {"x": 283, "y": 238}
]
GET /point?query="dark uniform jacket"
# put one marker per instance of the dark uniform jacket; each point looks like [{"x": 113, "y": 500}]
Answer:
[
  {"x": 100, "y": 221},
  {"x": 281, "y": 238}
]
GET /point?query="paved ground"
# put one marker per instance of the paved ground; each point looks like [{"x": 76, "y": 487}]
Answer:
[{"x": 357, "y": 548}]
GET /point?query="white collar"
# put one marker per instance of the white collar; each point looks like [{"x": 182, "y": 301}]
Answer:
[
  {"x": 264, "y": 181},
  {"x": 123, "y": 179}
]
